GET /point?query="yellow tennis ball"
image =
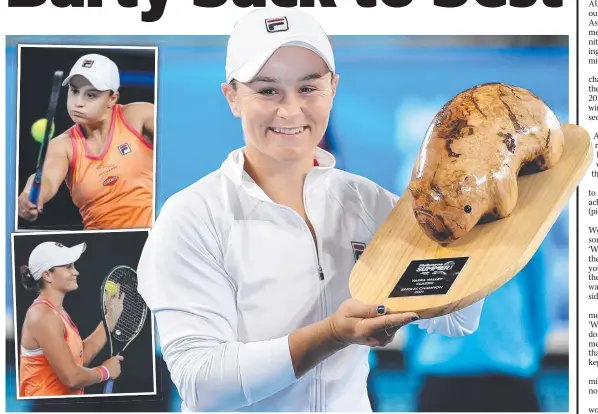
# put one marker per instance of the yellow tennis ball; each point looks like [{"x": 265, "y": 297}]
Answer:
[
  {"x": 38, "y": 129},
  {"x": 110, "y": 288}
]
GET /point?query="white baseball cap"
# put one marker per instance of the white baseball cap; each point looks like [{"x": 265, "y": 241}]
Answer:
[
  {"x": 50, "y": 254},
  {"x": 100, "y": 71},
  {"x": 260, "y": 33}
]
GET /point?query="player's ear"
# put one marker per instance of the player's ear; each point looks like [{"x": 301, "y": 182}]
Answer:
[
  {"x": 229, "y": 90},
  {"x": 113, "y": 99},
  {"x": 335, "y": 79},
  {"x": 47, "y": 276}
]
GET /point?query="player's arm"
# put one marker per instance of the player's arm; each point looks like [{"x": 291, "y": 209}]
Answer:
[
  {"x": 193, "y": 302},
  {"x": 141, "y": 114},
  {"x": 147, "y": 115},
  {"x": 456, "y": 324},
  {"x": 55, "y": 170},
  {"x": 93, "y": 344},
  {"x": 48, "y": 331},
  {"x": 193, "y": 299}
]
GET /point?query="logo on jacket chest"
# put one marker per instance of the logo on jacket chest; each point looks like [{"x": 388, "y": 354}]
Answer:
[{"x": 358, "y": 249}]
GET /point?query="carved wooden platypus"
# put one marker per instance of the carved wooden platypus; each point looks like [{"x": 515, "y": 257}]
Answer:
[{"x": 474, "y": 150}]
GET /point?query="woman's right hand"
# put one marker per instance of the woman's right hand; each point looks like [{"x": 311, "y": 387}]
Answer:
[
  {"x": 113, "y": 365},
  {"x": 357, "y": 323},
  {"x": 26, "y": 209}
]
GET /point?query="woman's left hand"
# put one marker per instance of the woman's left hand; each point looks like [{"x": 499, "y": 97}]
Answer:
[{"x": 114, "y": 307}]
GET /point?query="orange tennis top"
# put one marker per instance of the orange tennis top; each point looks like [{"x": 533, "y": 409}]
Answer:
[
  {"x": 115, "y": 189},
  {"x": 36, "y": 377}
]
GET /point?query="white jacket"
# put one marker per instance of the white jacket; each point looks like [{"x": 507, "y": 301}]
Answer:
[{"x": 229, "y": 275}]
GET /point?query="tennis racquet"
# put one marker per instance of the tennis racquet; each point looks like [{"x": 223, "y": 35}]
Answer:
[
  {"x": 41, "y": 156},
  {"x": 124, "y": 311}
]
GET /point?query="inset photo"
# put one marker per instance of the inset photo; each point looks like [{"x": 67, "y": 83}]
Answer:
[
  {"x": 86, "y": 138},
  {"x": 82, "y": 329}
]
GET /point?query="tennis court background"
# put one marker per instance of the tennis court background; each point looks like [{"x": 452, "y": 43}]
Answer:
[{"x": 390, "y": 88}]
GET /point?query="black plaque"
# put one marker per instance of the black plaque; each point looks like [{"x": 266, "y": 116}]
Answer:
[{"x": 429, "y": 277}]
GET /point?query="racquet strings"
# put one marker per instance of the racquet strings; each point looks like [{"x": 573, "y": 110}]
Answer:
[{"x": 134, "y": 308}]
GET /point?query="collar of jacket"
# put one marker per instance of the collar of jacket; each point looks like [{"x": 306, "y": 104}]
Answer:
[{"x": 233, "y": 168}]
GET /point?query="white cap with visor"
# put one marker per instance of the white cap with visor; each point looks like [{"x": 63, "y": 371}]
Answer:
[
  {"x": 51, "y": 254},
  {"x": 259, "y": 34},
  {"x": 100, "y": 71}
]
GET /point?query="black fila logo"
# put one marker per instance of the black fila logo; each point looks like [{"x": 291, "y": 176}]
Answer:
[
  {"x": 87, "y": 63},
  {"x": 279, "y": 24},
  {"x": 358, "y": 249}
]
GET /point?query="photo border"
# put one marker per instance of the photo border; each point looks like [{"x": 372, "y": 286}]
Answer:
[
  {"x": 14, "y": 321},
  {"x": 18, "y": 123}
]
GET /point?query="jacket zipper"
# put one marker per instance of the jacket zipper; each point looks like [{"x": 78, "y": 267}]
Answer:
[
  {"x": 318, "y": 392},
  {"x": 319, "y": 403},
  {"x": 318, "y": 383},
  {"x": 318, "y": 373}
]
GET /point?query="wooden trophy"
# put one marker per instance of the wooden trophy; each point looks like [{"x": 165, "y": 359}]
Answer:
[{"x": 494, "y": 172}]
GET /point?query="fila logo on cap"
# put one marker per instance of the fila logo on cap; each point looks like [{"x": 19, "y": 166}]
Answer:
[
  {"x": 124, "y": 149},
  {"x": 279, "y": 24},
  {"x": 87, "y": 63}
]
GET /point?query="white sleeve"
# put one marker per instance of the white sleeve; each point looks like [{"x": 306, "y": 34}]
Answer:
[
  {"x": 181, "y": 278},
  {"x": 459, "y": 323}
]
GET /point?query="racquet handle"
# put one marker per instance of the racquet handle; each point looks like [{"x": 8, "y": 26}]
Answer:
[
  {"x": 108, "y": 386},
  {"x": 34, "y": 193}
]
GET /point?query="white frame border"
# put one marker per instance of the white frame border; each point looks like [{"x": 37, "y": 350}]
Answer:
[
  {"x": 16, "y": 338},
  {"x": 18, "y": 121}
]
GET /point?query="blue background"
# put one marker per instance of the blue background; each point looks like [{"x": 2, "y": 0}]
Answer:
[{"x": 390, "y": 88}]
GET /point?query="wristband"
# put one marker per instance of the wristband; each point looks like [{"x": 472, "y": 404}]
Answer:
[{"x": 105, "y": 374}]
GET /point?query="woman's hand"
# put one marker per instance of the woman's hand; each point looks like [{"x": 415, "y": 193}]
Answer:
[
  {"x": 114, "y": 306},
  {"x": 113, "y": 365},
  {"x": 357, "y": 323},
  {"x": 353, "y": 323},
  {"x": 26, "y": 209}
]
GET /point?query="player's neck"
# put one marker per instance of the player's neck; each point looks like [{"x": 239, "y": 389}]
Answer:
[
  {"x": 98, "y": 131},
  {"x": 53, "y": 296},
  {"x": 282, "y": 182}
]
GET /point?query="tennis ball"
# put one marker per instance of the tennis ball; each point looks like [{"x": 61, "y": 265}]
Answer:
[
  {"x": 110, "y": 288},
  {"x": 38, "y": 129}
]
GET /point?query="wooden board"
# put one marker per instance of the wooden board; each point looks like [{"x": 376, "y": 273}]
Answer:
[{"x": 493, "y": 252}]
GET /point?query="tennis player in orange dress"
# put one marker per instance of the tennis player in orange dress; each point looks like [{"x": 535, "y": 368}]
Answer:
[
  {"x": 106, "y": 158},
  {"x": 53, "y": 356}
]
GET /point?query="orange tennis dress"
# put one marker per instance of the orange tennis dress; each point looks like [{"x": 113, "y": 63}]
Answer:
[
  {"x": 115, "y": 189},
  {"x": 37, "y": 378}
]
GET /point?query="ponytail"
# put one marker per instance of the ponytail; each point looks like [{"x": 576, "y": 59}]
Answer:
[{"x": 29, "y": 283}]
